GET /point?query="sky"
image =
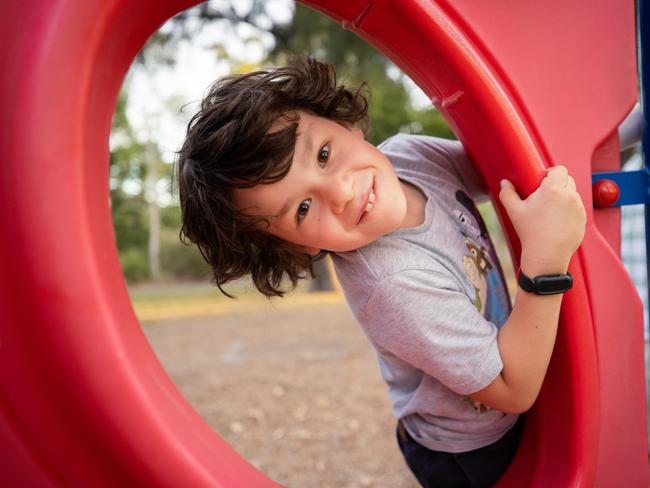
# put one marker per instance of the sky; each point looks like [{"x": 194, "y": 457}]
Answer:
[{"x": 155, "y": 99}]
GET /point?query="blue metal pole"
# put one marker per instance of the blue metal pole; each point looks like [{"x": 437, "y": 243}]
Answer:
[{"x": 643, "y": 50}]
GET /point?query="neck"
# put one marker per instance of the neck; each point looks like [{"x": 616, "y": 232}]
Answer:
[{"x": 415, "y": 205}]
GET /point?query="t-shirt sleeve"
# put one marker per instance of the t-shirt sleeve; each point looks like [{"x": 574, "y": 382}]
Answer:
[
  {"x": 444, "y": 154},
  {"x": 421, "y": 317}
]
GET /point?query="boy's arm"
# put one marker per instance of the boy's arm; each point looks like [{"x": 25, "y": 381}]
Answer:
[{"x": 550, "y": 224}]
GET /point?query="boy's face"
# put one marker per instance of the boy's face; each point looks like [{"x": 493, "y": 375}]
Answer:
[{"x": 340, "y": 194}]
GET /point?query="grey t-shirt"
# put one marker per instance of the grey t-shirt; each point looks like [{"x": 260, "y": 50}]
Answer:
[{"x": 431, "y": 299}]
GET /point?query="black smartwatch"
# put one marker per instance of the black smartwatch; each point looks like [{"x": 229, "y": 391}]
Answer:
[{"x": 550, "y": 284}]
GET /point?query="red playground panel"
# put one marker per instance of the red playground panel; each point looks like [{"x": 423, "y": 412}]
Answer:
[{"x": 85, "y": 402}]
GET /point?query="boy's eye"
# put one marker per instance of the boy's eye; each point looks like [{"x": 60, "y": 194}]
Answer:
[
  {"x": 323, "y": 155},
  {"x": 303, "y": 208}
]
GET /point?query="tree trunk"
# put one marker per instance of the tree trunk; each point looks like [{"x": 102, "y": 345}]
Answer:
[
  {"x": 153, "y": 211},
  {"x": 323, "y": 279}
]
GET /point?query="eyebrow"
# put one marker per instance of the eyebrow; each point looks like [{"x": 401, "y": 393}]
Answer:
[
  {"x": 309, "y": 143},
  {"x": 309, "y": 147}
]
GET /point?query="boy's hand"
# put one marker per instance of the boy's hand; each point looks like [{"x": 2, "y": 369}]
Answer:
[{"x": 550, "y": 223}]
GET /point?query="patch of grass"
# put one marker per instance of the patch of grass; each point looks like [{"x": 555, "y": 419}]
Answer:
[{"x": 152, "y": 294}]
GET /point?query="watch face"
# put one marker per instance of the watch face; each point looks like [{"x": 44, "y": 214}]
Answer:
[{"x": 552, "y": 284}]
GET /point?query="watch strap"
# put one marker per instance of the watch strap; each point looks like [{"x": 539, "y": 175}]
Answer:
[{"x": 548, "y": 284}]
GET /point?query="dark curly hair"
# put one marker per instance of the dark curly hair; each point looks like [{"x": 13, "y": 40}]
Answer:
[{"x": 229, "y": 145}]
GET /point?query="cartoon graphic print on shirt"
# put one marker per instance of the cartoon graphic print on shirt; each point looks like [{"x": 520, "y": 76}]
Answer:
[
  {"x": 477, "y": 265},
  {"x": 491, "y": 294},
  {"x": 466, "y": 224},
  {"x": 478, "y": 406},
  {"x": 491, "y": 298},
  {"x": 469, "y": 205}
]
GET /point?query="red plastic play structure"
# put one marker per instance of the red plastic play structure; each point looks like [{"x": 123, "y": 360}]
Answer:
[{"x": 84, "y": 401}]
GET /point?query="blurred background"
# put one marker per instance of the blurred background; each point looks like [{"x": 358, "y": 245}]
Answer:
[{"x": 290, "y": 383}]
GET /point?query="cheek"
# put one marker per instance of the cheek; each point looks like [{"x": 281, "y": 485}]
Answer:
[
  {"x": 327, "y": 233},
  {"x": 287, "y": 231},
  {"x": 322, "y": 229}
]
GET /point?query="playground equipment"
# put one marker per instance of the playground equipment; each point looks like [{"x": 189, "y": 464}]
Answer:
[{"x": 83, "y": 399}]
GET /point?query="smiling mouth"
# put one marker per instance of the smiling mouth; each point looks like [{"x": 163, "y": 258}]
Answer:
[{"x": 369, "y": 203}]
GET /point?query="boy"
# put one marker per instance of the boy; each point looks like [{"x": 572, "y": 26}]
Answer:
[{"x": 275, "y": 171}]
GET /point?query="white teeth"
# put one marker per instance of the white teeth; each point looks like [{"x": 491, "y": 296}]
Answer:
[{"x": 371, "y": 199}]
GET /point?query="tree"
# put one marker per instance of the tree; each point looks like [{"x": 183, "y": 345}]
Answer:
[
  {"x": 391, "y": 109},
  {"x": 128, "y": 206}
]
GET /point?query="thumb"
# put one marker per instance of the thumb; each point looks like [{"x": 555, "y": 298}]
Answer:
[{"x": 509, "y": 196}]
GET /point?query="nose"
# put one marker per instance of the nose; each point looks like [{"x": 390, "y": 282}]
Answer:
[{"x": 340, "y": 192}]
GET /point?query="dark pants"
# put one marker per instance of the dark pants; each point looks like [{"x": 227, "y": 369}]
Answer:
[{"x": 479, "y": 468}]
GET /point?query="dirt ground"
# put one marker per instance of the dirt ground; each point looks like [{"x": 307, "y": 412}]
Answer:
[{"x": 293, "y": 387}]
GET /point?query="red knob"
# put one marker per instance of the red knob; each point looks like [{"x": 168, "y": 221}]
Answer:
[{"x": 606, "y": 193}]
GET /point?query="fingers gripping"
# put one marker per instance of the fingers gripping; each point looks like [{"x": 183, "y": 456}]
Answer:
[
  {"x": 509, "y": 196},
  {"x": 556, "y": 176},
  {"x": 571, "y": 184}
]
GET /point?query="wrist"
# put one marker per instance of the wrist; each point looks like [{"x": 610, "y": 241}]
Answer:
[{"x": 534, "y": 267}]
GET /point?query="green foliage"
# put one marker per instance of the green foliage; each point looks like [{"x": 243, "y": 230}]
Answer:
[
  {"x": 129, "y": 212},
  {"x": 127, "y": 153},
  {"x": 135, "y": 265},
  {"x": 129, "y": 220},
  {"x": 177, "y": 259},
  {"x": 170, "y": 217},
  {"x": 356, "y": 61},
  {"x": 181, "y": 261}
]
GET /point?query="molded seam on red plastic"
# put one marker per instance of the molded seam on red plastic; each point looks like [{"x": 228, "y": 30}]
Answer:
[
  {"x": 590, "y": 292},
  {"x": 360, "y": 17},
  {"x": 585, "y": 474},
  {"x": 583, "y": 261},
  {"x": 452, "y": 99}
]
